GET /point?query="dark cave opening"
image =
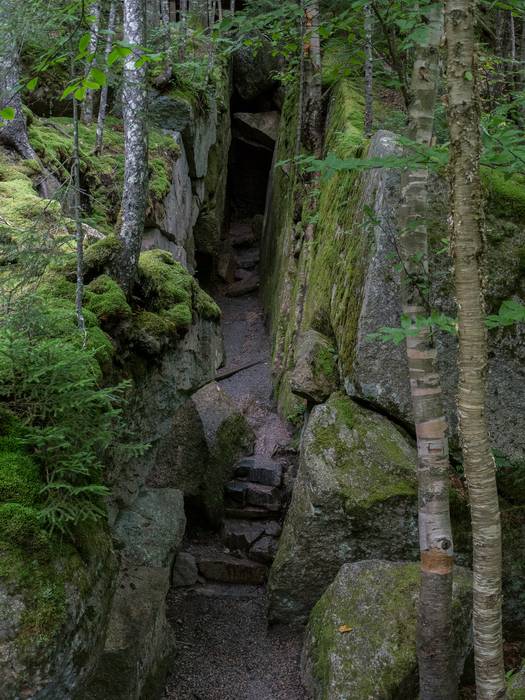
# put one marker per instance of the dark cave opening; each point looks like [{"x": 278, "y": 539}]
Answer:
[{"x": 248, "y": 176}]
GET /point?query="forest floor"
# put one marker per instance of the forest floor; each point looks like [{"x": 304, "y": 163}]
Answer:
[{"x": 225, "y": 649}]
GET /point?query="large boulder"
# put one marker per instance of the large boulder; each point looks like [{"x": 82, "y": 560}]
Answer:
[
  {"x": 150, "y": 531},
  {"x": 139, "y": 640},
  {"x": 361, "y": 637},
  {"x": 354, "y": 498},
  {"x": 53, "y": 616},
  {"x": 258, "y": 128},
  {"x": 208, "y": 436},
  {"x": 378, "y": 372},
  {"x": 315, "y": 375},
  {"x": 254, "y": 71}
]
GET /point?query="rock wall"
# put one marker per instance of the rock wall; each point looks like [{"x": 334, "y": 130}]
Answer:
[
  {"x": 351, "y": 288},
  {"x": 147, "y": 513}
]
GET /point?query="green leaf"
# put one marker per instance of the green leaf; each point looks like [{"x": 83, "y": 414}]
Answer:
[
  {"x": 468, "y": 76},
  {"x": 31, "y": 85},
  {"x": 97, "y": 76},
  {"x": 84, "y": 42},
  {"x": 80, "y": 93},
  {"x": 7, "y": 113}
]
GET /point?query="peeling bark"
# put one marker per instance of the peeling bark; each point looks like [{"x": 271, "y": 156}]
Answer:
[
  {"x": 134, "y": 102},
  {"x": 468, "y": 250},
  {"x": 434, "y": 633}
]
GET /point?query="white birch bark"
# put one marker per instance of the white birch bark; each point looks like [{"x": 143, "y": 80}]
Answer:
[
  {"x": 468, "y": 249},
  {"x": 437, "y": 679},
  {"x": 135, "y": 145}
]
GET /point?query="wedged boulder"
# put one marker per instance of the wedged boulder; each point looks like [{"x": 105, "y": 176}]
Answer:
[
  {"x": 354, "y": 498},
  {"x": 258, "y": 128},
  {"x": 152, "y": 528},
  {"x": 139, "y": 640},
  {"x": 361, "y": 637},
  {"x": 253, "y": 72},
  {"x": 315, "y": 375},
  {"x": 207, "y": 437},
  {"x": 169, "y": 111}
]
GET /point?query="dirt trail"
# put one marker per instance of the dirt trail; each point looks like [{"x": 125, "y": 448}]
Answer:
[{"x": 225, "y": 650}]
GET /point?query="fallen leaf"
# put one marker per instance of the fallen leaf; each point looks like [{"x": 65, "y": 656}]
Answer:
[{"x": 344, "y": 629}]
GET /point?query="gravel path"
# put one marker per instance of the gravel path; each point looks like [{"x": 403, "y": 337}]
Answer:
[{"x": 225, "y": 650}]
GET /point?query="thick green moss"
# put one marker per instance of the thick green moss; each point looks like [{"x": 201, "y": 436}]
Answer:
[
  {"x": 19, "y": 478},
  {"x": 100, "y": 255},
  {"x": 163, "y": 281},
  {"x": 106, "y": 300},
  {"x": 376, "y": 468},
  {"x": 103, "y": 174},
  {"x": 20, "y": 526},
  {"x": 205, "y": 306}
]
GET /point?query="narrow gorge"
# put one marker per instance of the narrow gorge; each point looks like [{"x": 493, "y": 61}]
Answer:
[{"x": 259, "y": 529}]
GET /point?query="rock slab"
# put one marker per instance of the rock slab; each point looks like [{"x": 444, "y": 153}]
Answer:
[
  {"x": 354, "y": 498},
  {"x": 361, "y": 637}
]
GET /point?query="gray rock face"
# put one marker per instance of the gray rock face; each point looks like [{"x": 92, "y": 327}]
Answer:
[
  {"x": 361, "y": 636},
  {"x": 315, "y": 375},
  {"x": 152, "y": 528},
  {"x": 139, "y": 641},
  {"x": 354, "y": 498},
  {"x": 199, "y": 135},
  {"x": 207, "y": 437},
  {"x": 379, "y": 371},
  {"x": 258, "y": 128},
  {"x": 171, "y": 222},
  {"x": 158, "y": 394},
  {"x": 58, "y": 669}
]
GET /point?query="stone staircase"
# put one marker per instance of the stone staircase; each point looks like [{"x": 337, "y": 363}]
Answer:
[{"x": 250, "y": 530}]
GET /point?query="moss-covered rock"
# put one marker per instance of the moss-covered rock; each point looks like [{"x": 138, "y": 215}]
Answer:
[
  {"x": 54, "y": 601},
  {"x": 315, "y": 374},
  {"x": 354, "y": 498},
  {"x": 208, "y": 436},
  {"x": 106, "y": 300},
  {"x": 361, "y": 636}
]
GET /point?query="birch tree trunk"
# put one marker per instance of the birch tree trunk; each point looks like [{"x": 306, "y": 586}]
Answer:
[
  {"x": 434, "y": 634},
  {"x": 103, "y": 105},
  {"x": 134, "y": 102},
  {"x": 13, "y": 133},
  {"x": 468, "y": 248},
  {"x": 79, "y": 296},
  {"x": 87, "y": 107},
  {"x": 312, "y": 108},
  {"x": 369, "y": 71}
]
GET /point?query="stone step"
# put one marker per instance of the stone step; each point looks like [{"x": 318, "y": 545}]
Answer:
[
  {"x": 264, "y": 550},
  {"x": 246, "y": 285},
  {"x": 227, "y": 569},
  {"x": 249, "y": 513},
  {"x": 251, "y": 494},
  {"x": 240, "y": 535},
  {"x": 260, "y": 470}
]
